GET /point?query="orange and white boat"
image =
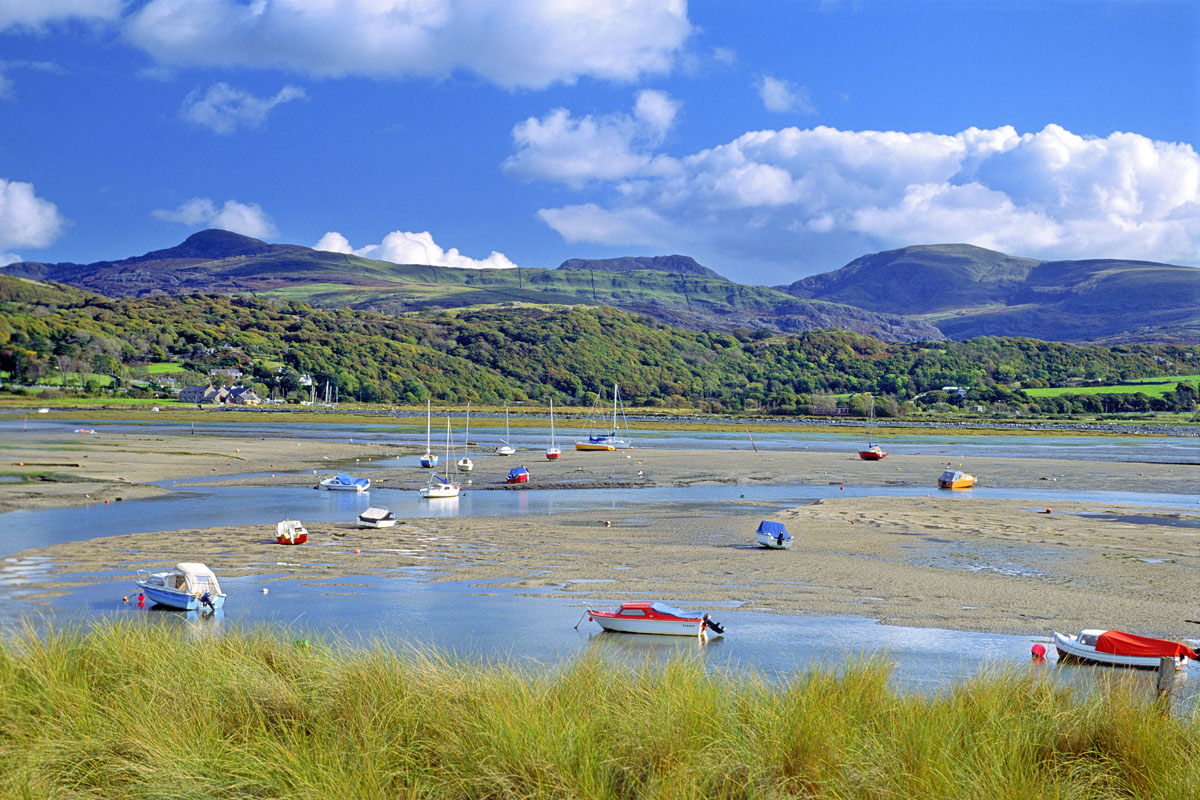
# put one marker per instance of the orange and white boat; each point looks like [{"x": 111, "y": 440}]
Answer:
[{"x": 956, "y": 479}]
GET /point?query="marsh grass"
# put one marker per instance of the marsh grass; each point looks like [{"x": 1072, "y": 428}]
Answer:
[{"x": 126, "y": 710}]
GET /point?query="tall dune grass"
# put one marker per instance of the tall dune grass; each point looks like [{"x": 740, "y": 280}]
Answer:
[{"x": 126, "y": 710}]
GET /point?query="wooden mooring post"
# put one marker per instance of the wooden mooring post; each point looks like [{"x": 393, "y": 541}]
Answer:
[{"x": 1165, "y": 682}]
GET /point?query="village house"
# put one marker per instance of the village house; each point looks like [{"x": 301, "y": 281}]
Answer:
[{"x": 203, "y": 394}]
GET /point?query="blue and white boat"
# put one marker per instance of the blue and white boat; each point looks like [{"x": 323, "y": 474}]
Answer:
[
  {"x": 429, "y": 460},
  {"x": 343, "y": 482},
  {"x": 612, "y": 440},
  {"x": 188, "y": 587},
  {"x": 773, "y": 535}
]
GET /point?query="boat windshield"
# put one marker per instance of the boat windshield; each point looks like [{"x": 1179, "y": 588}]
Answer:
[{"x": 663, "y": 608}]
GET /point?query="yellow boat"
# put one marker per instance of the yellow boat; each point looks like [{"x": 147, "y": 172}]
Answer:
[
  {"x": 593, "y": 446},
  {"x": 953, "y": 479}
]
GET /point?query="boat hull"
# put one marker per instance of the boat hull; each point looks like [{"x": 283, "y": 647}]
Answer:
[
  {"x": 684, "y": 627},
  {"x": 959, "y": 484},
  {"x": 588, "y": 447},
  {"x": 336, "y": 487},
  {"x": 504, "y": 450},
  {"x": 439, "y": 492},
  {"x": 466, "y": 465},
  {"x": 428, "y": 462},
  {"x": 552, "y": 455},
  {"x": 380, "y": 523},
  {"x": 518, "y": 479},
  {"x": 301, "y": 539},
  {"x": 873, "y": 455}
]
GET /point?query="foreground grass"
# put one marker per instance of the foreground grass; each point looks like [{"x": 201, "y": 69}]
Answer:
[{"x": 127, "y": 710}]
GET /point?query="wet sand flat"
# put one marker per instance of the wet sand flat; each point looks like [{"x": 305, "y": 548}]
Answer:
[{"x": 959, "y": 562}]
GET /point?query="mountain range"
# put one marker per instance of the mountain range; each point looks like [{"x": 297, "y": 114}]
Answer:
[{"x": 920, "y": 293}]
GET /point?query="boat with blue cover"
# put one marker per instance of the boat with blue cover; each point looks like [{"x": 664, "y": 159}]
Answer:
[
  {"x": 773, "y": 535},
  {"x": 343, "y": 482}
]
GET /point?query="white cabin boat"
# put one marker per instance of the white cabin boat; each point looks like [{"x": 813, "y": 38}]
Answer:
[
  {"x": 429, "y": 460},
  {"x": 643, "y": 617},
  {"x": 187, "y": 587},
  {"x": 505, "y": 449},
  {"x": 465, "y": 464},
  {"x": 376, "y": 518}
]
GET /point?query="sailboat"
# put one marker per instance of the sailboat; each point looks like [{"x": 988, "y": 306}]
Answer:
[
  {"x": 429, "y": 460},
  {"x": 505, "y": 449},
  {"x": 438, "y": 486},
  {"x": 465, "y": 463},
  {"x": 608, "y": 441},
  {"x": 553, "y": 451},
  {"x": 873, "y": 452}
]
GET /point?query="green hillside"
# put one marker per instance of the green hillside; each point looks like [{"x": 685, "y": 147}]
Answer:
[{"x": 500, "y": 355}]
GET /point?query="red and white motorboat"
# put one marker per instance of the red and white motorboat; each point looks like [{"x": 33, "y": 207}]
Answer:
[
  {"x": 643, "y": 617},
  {"x": 1118, "y": 649}
]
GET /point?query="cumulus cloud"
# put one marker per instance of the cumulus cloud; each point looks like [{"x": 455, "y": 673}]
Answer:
[
  {"x": 782, "y": 194},
  {"x": 26, "y": 220},
  {"x": 404, "y": 247},
  {"x": 784, "y": 96},
  {"x": 247, "y": 219},
  {"x": 37, "y": 14},
  {"x": 512, "y": 43},
  {"x": 223, "y": 109},
  {"x": 562, "y": 148}
]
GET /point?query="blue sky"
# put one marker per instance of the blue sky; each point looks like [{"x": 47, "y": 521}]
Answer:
[{"x": 768, "y": 140}]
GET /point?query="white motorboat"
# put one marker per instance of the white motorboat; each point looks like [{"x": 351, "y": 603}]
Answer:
[
  {"x": 376, "y": 518},
  {"x": 343, "y": 482},
  {"x": 187, "y": 587},
  {"x": 1119, "y": 649},
  {"x": 429, "y": 460},
  {"x": 644, "y": 617}
]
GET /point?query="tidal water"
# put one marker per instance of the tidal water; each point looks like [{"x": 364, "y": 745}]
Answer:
[{"x": 483, "y": 622}]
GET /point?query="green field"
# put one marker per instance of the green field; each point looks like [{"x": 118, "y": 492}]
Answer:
[
  {"x": 163, "y": 368},
  {"x": 1151, "y": 387}
]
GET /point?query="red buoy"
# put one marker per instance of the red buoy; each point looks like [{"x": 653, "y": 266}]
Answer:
[{"x": 1038, "y": 651}]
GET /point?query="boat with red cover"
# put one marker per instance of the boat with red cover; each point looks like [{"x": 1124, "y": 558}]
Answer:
[
  {"x": 1119, "y": 649},
  {"x": 643, "y": 617}
]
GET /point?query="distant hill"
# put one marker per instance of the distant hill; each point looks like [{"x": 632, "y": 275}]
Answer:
[
  {"x": 672, "y": 265},
  {"x": 968, "y": 291},
  {"x": 222, "y": 263}
]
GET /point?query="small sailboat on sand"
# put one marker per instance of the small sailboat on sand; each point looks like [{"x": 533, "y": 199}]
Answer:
[
  {"x": 873, "y": 452},
  {"x": 505, "y": 449},
  {"x": 429, "y": 460},
  {"x": 553, "y": 451},
  {"x": 465, "y": 463},
  {"x": 608, "y": 441},
  {"x": 439, "y": 487}
]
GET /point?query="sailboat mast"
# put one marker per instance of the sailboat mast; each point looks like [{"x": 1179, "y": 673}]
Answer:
[{"x": 615, "y": 395}]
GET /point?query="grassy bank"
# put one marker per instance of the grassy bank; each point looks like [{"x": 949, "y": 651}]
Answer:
[{"x": 142, "y": 711}]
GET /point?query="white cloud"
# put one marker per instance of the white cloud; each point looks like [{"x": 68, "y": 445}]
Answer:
[
  {"x": 26, "y": 220},
  {"x": 785, "y": 195},
  {"x": 512, "y": 43},
  {"x": 9, "y": 258},
  {"x": 223, "y": 108},
  {"x": 404, "y": 247},
  {"x": 247, "y": 219},
  {"x": 36, "y": 14},
  {"x": 559, "y": 147},
  {"x": 784, "y": 96}
]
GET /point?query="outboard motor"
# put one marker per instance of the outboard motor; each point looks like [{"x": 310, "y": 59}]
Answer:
[
  {"x": 712, "y": 624},
  {"x": 206, "y": 600}
]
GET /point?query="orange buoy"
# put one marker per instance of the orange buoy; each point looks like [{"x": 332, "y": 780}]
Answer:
[{"x": 1038, "y": 652}]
